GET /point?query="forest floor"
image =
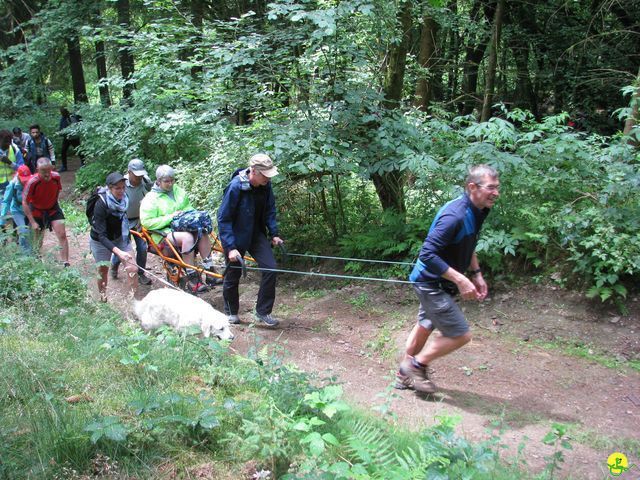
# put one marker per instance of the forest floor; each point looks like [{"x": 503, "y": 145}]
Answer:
[{"x": 537, "y": 357}]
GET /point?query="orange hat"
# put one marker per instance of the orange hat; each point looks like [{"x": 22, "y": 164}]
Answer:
[{"x": 23, "y": 173}]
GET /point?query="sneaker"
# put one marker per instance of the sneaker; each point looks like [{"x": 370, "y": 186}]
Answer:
[
  {"x": 234, "y": 319},
  {"x": 414, "y": 378},
  {"x": 143, "y": 279},
  {"x": 113, "y": 271},
  {"x": 197, "y": 287},
  {"x": 62, "y": 169},
  {"x": 267, "y": 320}
]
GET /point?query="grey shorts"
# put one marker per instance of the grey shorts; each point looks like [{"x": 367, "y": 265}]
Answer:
[
  {"x": 102, "y": 254},
  {"x": 439, "y": 310}
]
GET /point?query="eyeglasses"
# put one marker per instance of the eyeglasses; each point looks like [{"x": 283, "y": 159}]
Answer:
[{"x": 491, "y": 188}]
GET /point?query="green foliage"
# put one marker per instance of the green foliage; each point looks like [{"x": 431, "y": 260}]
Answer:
[
  {"x": 142, "y": 399},
  {"x": 557, "y": 437}
]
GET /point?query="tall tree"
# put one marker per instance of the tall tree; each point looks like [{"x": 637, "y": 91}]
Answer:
[
  {"x": 492, "y": 63},
  {"x": 101, "y": 68},
  {"x": 77, "y": 70},
  {"x": 474, "y": 51},
  {"x": 426, "y": 59},
  {"x": 124, "y": 52},
  {"x": 390, "y": 185}
]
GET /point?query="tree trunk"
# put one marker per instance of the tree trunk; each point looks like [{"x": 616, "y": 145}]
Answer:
[
  {"x": 397, "y": 59},
  {"x": 77, "y": 72},
  {"x": 473, "y": 57},
  {"x": 390, "y": 186},
  {"x": 427, "y": 60},
  {"x": 453, "y": 52},
  {"x": 390, "y": 190},
  {"x": 525, "y": 94},
  {"x": 493, "y": 61},
  {"x": 101, "y": 68},
  {"x": 124, "y": 52}
]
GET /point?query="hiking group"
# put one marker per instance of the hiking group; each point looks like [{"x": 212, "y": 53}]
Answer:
[
  {"x": 246, "y": 216},
  {"x": 446, "y": 265}
]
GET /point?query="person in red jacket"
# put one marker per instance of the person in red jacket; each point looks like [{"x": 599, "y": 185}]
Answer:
[{"x": 40, "y": 205}]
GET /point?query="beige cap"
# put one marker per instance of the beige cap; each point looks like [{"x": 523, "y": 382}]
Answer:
[{"x": 263, "y": 164}]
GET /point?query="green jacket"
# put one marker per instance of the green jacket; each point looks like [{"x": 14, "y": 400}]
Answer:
[{"x": 158, "y": 209}]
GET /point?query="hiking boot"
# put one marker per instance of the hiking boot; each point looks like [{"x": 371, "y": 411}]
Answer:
[
  {"x": 403, "y": 382},
  {"x": 144, "y": 280},
  {"x": 113, "y": 271},
  {"x": 411, "y": 377},
  {"x": 266, "y": 320},
  {"x": 234, "y": 319}
]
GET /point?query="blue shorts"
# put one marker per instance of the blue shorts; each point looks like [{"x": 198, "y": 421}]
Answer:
[{"x": 439, "y": 310}]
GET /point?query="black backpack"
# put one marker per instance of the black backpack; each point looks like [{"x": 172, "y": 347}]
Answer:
[{"x": 99, "y": 192}]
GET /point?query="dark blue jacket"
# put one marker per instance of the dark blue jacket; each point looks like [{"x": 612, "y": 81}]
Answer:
[
  {"x": 237, "y": 211},
  {"x": 450, "y": 242}
]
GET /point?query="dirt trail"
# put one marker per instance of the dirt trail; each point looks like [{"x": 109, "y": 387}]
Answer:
[{"x": 355, "y": 333}]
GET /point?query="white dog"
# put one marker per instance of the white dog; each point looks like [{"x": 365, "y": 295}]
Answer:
[{"x": 167, "y": 306}]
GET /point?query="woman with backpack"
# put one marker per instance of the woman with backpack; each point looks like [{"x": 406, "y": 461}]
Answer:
[
  {"x": 110, "y": 233},
  {"x": 159, "y": 207}
]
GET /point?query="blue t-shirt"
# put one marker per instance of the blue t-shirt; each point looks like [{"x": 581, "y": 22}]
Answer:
[{"x": 451, "y": 241}]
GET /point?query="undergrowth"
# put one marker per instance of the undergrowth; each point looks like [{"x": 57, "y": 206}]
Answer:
[{"x": 89, "y": 393}]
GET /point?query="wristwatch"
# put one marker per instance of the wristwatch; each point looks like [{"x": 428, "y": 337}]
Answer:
[{"x": 475, "y": 272}]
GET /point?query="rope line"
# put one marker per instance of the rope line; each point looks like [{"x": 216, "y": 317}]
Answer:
[
  {"x": 349, "y": 259},
  {"x": 330, "y": 275}
]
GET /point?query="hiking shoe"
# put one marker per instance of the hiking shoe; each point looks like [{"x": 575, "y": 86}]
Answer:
[
  {"x": 403, "y": 382},
  {"x": 113, "y": 271},
  {"x": 415, "y": 378},
  {"x": 266, "y": 320},
  {"x": 234, "y": 319},
  {"x": 144, "y": 280}
]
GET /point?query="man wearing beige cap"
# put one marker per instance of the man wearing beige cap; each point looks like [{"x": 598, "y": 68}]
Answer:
[{"x": 245, "y": 217}]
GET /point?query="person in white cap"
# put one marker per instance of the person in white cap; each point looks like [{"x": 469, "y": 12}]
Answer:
[
  {"x": 246, "y": 215},
  {"x": 138, "y": 184}
]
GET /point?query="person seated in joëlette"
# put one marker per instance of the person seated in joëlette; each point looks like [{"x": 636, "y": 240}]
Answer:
[{"x": 159, "y": 207}]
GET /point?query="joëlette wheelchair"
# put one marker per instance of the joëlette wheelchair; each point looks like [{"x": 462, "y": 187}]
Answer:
[{"x": 173, "y": 264}]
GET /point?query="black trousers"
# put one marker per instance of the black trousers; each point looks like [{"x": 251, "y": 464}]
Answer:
[
  {"x": 70, "y": 142},
  {"x": 260, "y": 250}
]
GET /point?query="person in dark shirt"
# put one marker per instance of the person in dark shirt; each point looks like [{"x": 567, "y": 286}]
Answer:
[
  {"x": 446, "y": 254},
  {"x": 68, "y": 140},
  {"x": 247, "y": 212},
  {"x": 110, "y": 233}
]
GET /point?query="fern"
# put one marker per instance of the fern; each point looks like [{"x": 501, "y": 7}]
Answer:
[{"x": 370, "y": 446}]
